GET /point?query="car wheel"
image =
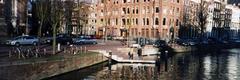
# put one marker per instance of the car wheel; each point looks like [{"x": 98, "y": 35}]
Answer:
[
  {"x": 34, "y": 43},
  {"x": 17, "y": 44}
]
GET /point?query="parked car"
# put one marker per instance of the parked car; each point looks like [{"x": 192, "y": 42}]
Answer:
[
  {"x": 61, "y": 38},
  {"x": 188, "y": 42},
  {"x": 84, "y": 41},
  {"x": 135, "y": 46},
  {"x": 160, "y": 43},
  {"x": 23, "y": 40},
  {"x": 118, "y": 38},
  {"x": 234, "y": 41}
]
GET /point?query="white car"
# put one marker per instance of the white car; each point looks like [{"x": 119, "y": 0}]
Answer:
[
  {"x": 23, "y": 40},
  {"x": 135, "y": 46},
  {"x": 84, "y": 41}
]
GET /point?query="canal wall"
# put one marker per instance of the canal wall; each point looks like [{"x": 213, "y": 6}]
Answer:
[{"x": 44, "y": 69}]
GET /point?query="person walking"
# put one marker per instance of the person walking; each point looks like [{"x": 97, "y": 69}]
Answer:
[
  {"x": 139, "y": 52},
  {"x": 129, "y": 55}
]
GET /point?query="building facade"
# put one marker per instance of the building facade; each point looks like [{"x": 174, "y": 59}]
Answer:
[
  {"x": 188, "y": 28},
  {"x": 84, "y": 18},
  {"x": 218, "y": 18},
  {"x": 3, "y": 29},
  {"x": 235, "y": 21},
  {"x": 139, "y": 18},
  {"x": 79, "y": 17},
  {"x": 15, "y": 12}
]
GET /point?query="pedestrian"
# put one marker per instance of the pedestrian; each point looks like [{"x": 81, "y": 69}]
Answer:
[
  {"x": 129, "y": 55},
  {"x": 139, "y": 52},
  {"x": 132, "y": 51}
]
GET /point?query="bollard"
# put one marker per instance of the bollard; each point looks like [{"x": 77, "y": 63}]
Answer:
[
  {"x": 85, "y": 49},
  {"x": 44, "y": 51},
  {"x": 81, "y": 49},
  {"x": 10, "y": 54},
  {"x": 59, "y": 47},
  {"x": 71, "y": 49},
  {"x": 75, "y": 50},
  {"x": 19, "y": 53}
]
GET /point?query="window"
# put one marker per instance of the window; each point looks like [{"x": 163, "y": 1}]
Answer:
[
  {"x": 157, "y": 9},
  {"x": 177, "y": 1},
  {"x": 143, "y": 21},
  {"x": 128, "y": 22},
  {"x": 109, "y": 21},
  {"x": 102, "y": 20},
  {"x": 133, "y": 11},
  {"x": 148, "y": 9},
  {"x": 124, "y": 1},
  {"x": 156, "y": 21},
  {"x": 116, "y": 21},
  {"x": 123, "y": 21},
  {"x": 133, "y": 21},
  {"x": 137, "y": 11},
  {"x": 128, "y": 11},
  {"x": 124, "y": 10},
  {"x": 147, "y": 21},
  {"x": 177, "y": 22},
  {"x": 136, "y": 21},
  {"x": 164, "y": 21}
]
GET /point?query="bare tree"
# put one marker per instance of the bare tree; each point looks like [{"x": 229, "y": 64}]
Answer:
[
  {"x": 105, "y": 14},
  {"x": 69, "y": 6},
  {"x": 189, "y": 23},
  {"x": 56, "y": 17},
  {"x": 42, "y": 9},
  {"x": 83, "y": 11},
  {"x": 202, "y": 15}
]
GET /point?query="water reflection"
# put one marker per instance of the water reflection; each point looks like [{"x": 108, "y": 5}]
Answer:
[{"x": 218, "y": 65}]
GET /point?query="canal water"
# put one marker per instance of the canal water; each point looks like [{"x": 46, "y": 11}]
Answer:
[{"x": 214, "y": 65}]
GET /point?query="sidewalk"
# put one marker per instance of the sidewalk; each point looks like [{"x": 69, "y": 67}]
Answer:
[{"x": 119, "y": 50}]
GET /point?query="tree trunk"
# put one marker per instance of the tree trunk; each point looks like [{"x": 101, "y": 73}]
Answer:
[
  {"x": 54, "y": 39},
  {"x": 40, "y": 29}
]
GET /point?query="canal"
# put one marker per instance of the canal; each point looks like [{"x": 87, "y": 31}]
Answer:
[{"x": 214, "y": 65}]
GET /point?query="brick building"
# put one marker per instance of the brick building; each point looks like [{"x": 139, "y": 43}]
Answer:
[
  {"x": 139, "y": 18},
  {"x": 83, "y": 18}
]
